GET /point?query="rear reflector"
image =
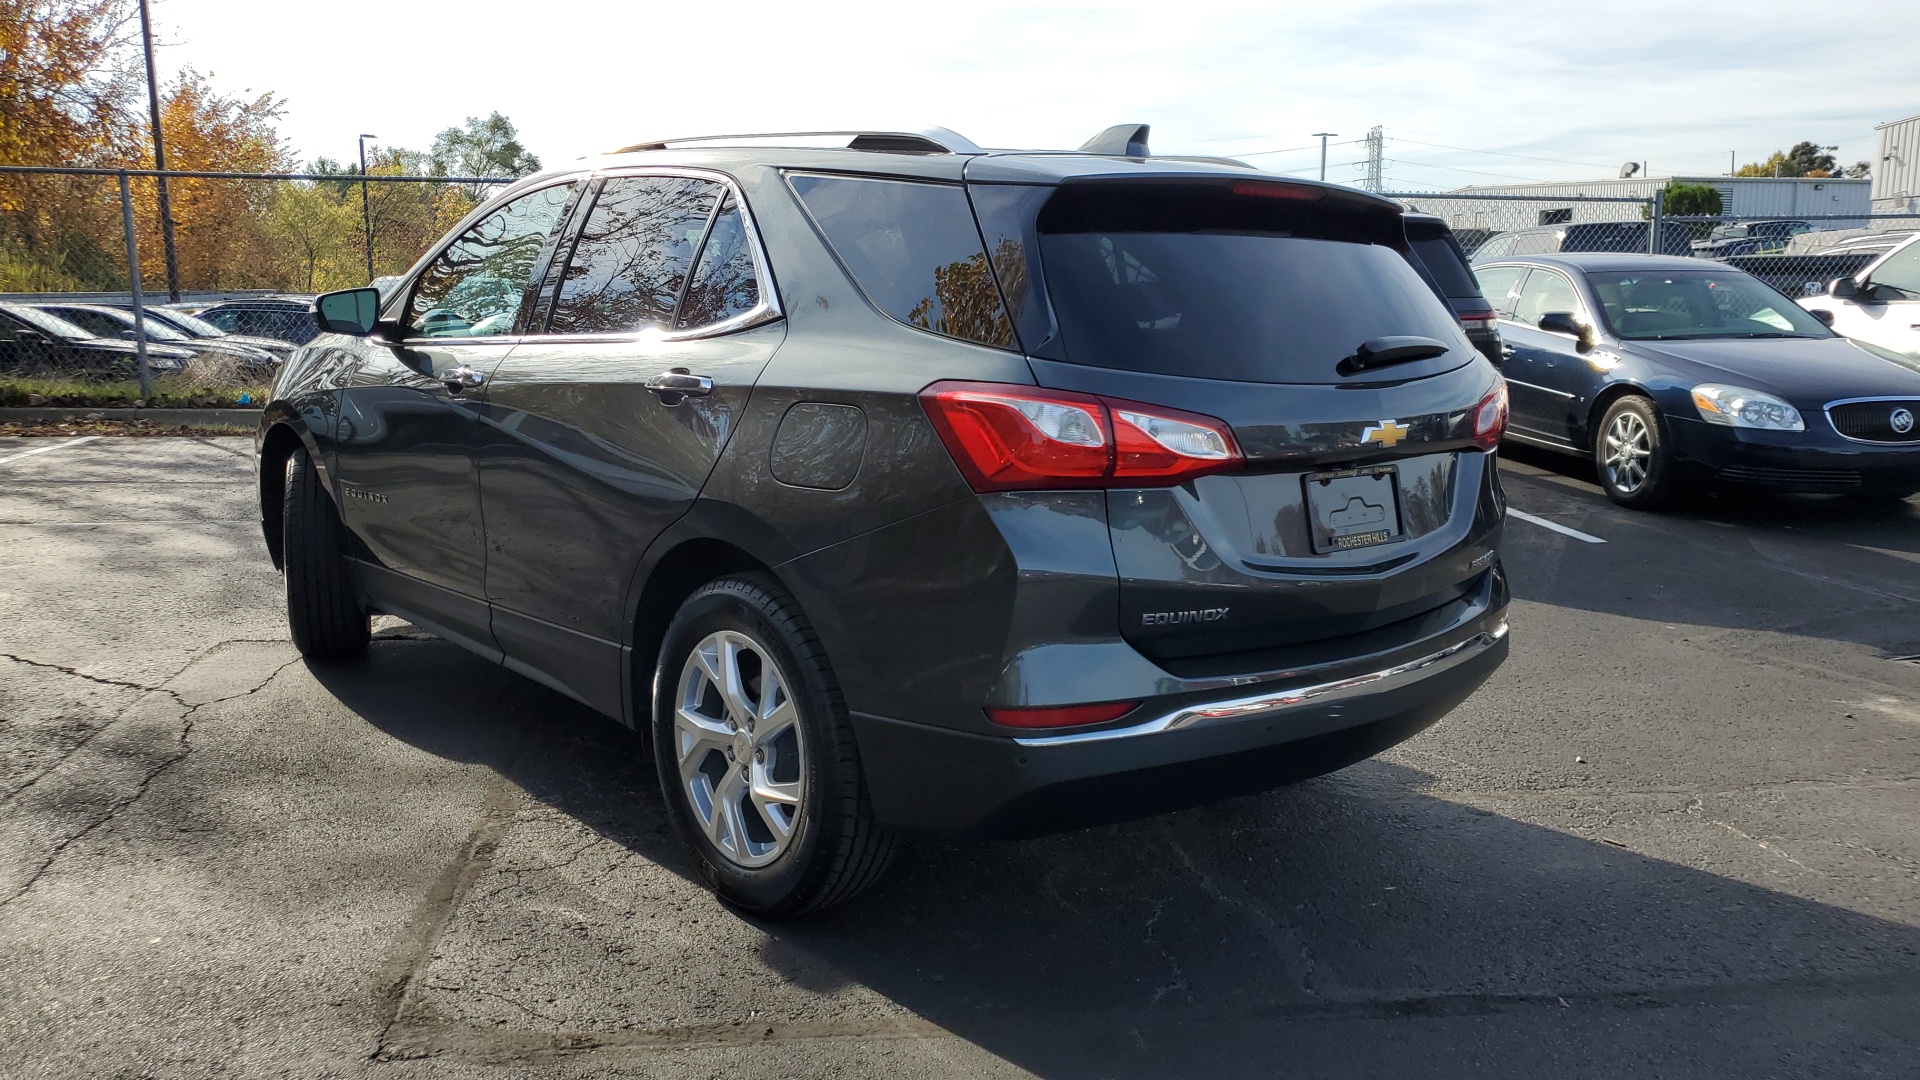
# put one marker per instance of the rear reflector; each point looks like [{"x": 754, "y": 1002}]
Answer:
[
  {"x": 1011, "y": 438},
  {"x": 1058, "y": 716},
  {"x": 1490, "y": 417}
]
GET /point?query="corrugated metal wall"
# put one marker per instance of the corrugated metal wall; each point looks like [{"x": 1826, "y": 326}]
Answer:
[
  {"x": 1896, "y": 170},
  {"x": 1831, "y": 202}
]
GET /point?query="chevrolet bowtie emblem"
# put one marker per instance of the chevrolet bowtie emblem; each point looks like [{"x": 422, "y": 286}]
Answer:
[{"x": 1387, "y": 433}]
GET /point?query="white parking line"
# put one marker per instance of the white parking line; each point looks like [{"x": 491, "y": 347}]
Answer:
[
  {"x": 48, "y": 449},
  {"x": 1554, "y": 526}
]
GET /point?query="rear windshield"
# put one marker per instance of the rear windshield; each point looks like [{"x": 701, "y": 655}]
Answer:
[
  {"x": 1215, "y": 285},
  {"x": 1447, "y": 266}
]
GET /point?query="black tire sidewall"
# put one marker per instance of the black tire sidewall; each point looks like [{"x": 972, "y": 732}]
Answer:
[
  {"x": 737, "y": 604},
  {"x": 1658, "y": 488}
]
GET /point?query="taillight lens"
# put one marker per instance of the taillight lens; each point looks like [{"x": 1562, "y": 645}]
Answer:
[
  {"x": 1058, "y": 716},
  {"x": 1490, "y": 417},
  {"x": 1011, "y": 438},
  {"x": 1478, "y": 320}
]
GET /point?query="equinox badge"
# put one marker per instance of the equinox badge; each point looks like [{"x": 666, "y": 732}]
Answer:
[{"x": 1387, "y": 433}]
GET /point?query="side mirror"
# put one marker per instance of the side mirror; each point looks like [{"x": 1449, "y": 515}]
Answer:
[
  {"x": 349, "y": 311},
  {"x": 1563, "y": 322},
  {"x": 128, "y": 335},
  {"x": 1824, "y": 316},
  {"x": 1844, "y": 289}
]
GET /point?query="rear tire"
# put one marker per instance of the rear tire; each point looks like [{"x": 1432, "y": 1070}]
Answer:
[
  {"x": 1633, "y": 457},
  {"x": 325, "y": 618},
  {"x": 791, "y": 830}
]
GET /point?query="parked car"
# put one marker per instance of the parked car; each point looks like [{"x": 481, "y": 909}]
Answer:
[
  {"x": 1438, "y": 256},
  {"x": 1673, "y": 372},
  {"x": 105, "y": 321},
  {"x": 1181, "y": 485},
  {"x": 1748, "y": 238},
  {"x": 196, "y": 327},
  {"x": 1620, "y": 236},
  {"x": 1880, "y": 304},
  {"x": 289, "y": 318},
  {"x": 33, "y": 342}
]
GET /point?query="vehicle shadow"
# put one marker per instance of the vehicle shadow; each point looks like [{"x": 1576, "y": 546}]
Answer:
[{"x": 1359, "y": 924}]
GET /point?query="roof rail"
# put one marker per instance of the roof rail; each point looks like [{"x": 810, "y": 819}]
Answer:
[{"x": 933, "y": 140}]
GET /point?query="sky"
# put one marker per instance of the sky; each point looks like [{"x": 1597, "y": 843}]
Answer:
[{"x": 1467, "y": 93}]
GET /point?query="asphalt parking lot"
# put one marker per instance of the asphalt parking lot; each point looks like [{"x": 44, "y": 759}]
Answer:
[{"x": 1678, "y": 835}]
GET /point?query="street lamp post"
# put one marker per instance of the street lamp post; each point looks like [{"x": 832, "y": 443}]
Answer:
[
  {"x": 1323, "y": 136},
  {"x": 366, "y": 205},
  {"x": 160, "y": 159}
]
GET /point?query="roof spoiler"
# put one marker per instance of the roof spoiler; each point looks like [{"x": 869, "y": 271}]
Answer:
[{"x": 1120, "y": 140}]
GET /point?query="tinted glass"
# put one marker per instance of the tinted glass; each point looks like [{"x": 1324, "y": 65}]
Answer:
[
  {"x": 723, "y": 280},
  {"x": 94, "y": 323},
  {"x": 221, "y": 320},
  {"x": 1009, "y": 221},
  {"x": 1496, "y": 282},
  {"x": 1448, "y": 267},
  {"x": 1253, "y": 308},
  {"x": 48, "y": 324},
  {"x": 1900, "y": 274},
  {"x": 914, "y": 250},
  {"x": 474, "y": 287},
  {"x": 633, "y": 255},
  {"x": 192, "y": 324},
  {"x": 1545, "y": 291},
  {"x": 1651, "y": 306}
]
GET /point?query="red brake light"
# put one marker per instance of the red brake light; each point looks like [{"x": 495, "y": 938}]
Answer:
[
  {"x": 1011, "y": 438},
  {"x": 1478, "y": 320},
  {"x": 1056, "y": 716},
  {"x": 1490, "y": 417},
  {"x": 1279, "y": 191}
]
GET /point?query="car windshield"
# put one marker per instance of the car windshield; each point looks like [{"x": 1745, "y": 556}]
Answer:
[
  {"x": 155, "y": 329},
  {"x": 1655, "y": 305},
  {"x": 46, "y": 323},
  {"x": 192, "y": 324}
]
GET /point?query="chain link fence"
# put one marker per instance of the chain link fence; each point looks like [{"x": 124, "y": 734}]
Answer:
[{"x": 98, "y": 308}]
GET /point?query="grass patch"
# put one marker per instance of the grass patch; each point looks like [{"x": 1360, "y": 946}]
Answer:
[{"x": 172, "y": 392}]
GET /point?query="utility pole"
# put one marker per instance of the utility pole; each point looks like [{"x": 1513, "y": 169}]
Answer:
[
  {"x": 1323, "y": 136},
  {"x": 1376, "y": 144},
  {"x": 1731, "y": 168},
  {"x": 366, "y": 205},
  {"x": 160, "y": 159}
]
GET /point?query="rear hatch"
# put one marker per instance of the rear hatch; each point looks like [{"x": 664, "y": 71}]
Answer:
[{"x": 1365, "y": 500}]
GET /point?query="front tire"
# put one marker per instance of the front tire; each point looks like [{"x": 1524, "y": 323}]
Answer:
[
  {"x": 325, "y": 618},
  {"x": 1633, "y": 457},
  {"x": 756, "y": 755}
]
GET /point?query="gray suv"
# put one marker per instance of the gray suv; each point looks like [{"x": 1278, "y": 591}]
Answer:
[{"x": 902, "y": 486}]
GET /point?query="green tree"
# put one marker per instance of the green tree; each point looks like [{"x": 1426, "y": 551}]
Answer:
[
  {"x": 317, "y": 234},
  {"x": 489, "y": 147},
  {"x": 1690, "y": 200}
]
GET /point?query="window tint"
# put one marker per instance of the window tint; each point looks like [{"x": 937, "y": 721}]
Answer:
[
  {"x": 225, "y": 320},
  {"x": 1899, "y": 275},
  {"x": 474, "y": 287},
  {"x": 633, "y": 255},
  {"x": 914, "y": 250},
  {"x": 723, "y": 280},
  {"x": 1496, "y": 282},
  {"x": 1545, "y": 291},
  {"x": 1448, "y": 267}
]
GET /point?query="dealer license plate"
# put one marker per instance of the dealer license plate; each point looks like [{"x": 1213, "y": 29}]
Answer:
[{"x": 1355, "y": 508}]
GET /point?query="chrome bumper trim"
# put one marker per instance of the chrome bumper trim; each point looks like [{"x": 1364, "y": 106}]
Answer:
[{"x": 1267, "y": 704}]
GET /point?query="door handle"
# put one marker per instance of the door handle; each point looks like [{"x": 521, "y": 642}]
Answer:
[
  {"x": 675, "y": 384},
  {"x": 1506, "y": 352},
  {"x": 462, "y": 378}
]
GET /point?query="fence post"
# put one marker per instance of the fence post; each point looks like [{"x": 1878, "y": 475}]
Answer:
[
  {"x": 133, "y": 282},
  {"x": 1654, "y": 244}
]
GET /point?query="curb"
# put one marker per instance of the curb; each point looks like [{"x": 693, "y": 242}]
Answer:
[{"x": 248, "y": 418}]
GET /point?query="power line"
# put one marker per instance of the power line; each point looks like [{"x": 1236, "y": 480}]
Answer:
[{"x": 1500, "y": 153}]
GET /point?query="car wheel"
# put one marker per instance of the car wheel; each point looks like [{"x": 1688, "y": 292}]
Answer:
[
  {"x": 1631, "y": 453},
  {"x": 756, "y": 755},
  {"x": 326, "y": 619}
]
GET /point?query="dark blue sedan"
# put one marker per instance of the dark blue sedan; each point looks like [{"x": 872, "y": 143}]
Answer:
[{"x": 1676, "y": 373}]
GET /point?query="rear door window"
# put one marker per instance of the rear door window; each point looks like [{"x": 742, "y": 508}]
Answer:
[
  {"x": 1545, "y": 291},
  {"x": 633, "y": 255},
  {"x": 1496, "y": 283},
  {"x": 1213, "y": 284},
  {"x": 724, "y": 282},
  {"x": 914, "y": 250}
]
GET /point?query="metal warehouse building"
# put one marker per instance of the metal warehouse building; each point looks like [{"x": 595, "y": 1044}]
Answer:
[
  {"x": 1896, "y": 168},
  {"x": 1833, "y": 202}
]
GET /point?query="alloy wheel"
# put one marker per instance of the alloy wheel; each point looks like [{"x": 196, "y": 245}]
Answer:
[
  {"x": 1629, "y": 450},
  {"x": 740, "y": 751}
]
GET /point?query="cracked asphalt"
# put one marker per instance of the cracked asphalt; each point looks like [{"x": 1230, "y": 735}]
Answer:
[{"x": 1678, "y": 835}]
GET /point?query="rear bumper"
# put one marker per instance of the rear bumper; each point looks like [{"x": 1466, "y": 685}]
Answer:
[
  {"x": 1186, "y": 751},
  {"x": 1817, "y": 465}
]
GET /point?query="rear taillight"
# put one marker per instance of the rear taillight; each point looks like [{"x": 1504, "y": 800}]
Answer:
[
  {"x": 1057, "y": 716},
  {"x": 1011, "y": 438},
  {"x": 1490, "y": 417},
  {"x": 1478, "y": 320}
]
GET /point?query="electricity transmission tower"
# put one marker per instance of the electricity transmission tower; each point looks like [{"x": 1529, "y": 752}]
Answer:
[{"x": 1376, "y": 142}]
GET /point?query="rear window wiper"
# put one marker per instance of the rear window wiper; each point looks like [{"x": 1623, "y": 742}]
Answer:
[{"x": 1386, "y": 351}]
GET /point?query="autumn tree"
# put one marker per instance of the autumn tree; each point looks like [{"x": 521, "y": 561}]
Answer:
[{"x": 1804, "y": 159}]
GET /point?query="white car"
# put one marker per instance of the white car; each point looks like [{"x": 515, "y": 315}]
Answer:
[{"x": 1880, "y": 305}]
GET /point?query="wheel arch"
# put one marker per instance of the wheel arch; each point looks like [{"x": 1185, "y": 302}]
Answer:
[
  {"x": 677, "y": 572},
  {"x": 1604, "y": 400},
  {"x": 277, "y": 444}
]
